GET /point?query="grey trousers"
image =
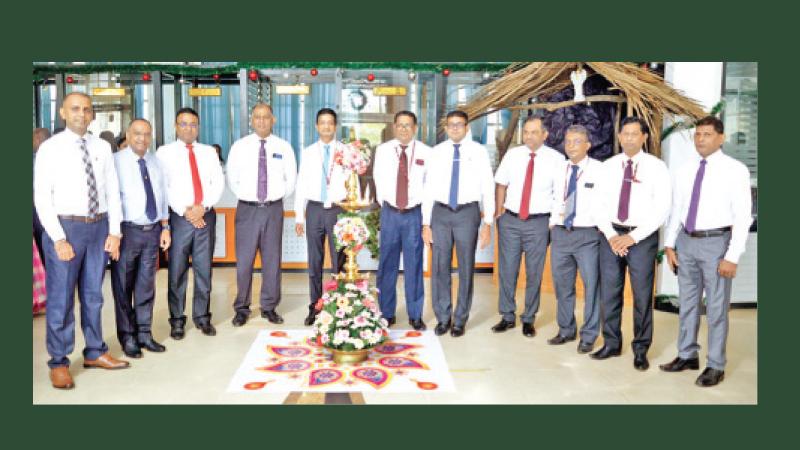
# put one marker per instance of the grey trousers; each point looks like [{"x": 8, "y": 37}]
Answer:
[
  {"x": 449, "y": 228},
  {"x": 640, "y": 262},
  {"x": 319, "y": 223},
  {"x": 570, "y": 252},
  {"x": 698, "y": 259},
  {"x": 515, "y": 236},
  {"x": 258, "y": 228}
]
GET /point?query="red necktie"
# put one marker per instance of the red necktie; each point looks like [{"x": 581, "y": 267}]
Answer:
[
  {"x": 402, "y": 180},
  {"x": 526, "y": 190},
  {"x": 198, "y": 188}
]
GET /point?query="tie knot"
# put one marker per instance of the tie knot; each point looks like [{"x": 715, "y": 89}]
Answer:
[
  {"x": 703, "y": 162},
  {"x": 630, "y": 161},
  {"x": 327, "y": 147},
  {"x": 141, "y": 161},
  {"x": 456, "y": 146},
  {"x": 533, "y": 155},
  {"x": 404, "y": 147},
  {"x": 575, "y": 168},
  {"x": 263, "y": 141},
  {"x": 189, "y": 146}
]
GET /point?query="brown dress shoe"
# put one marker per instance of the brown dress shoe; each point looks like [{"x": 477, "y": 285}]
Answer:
[
  {"x": 61, "y": 378},
  {"x": 106, "y": 361}
]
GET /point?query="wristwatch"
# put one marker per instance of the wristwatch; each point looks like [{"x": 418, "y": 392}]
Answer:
[{"x": 165, "y": 227}]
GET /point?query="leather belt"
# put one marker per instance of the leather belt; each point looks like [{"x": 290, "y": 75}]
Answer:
[
  {"x": 576, "y": 228},
  {"x": 708, "y": 233},
  {"x": 530, "y": 216},
  {"x": 85, "y": 219},
  {"x": 141, "y": 227},
  {"x": 401, "y": 211},
  {"x": 322, "y": 205},
  {"x": 259, "y": 204},
  {"x": 459, "y": 207},
  {"x": 622, "y": 228}
]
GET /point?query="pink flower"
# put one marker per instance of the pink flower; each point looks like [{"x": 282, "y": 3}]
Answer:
[
  {"x": 330, "y": 285},
  {"x": 362, "y": 284},
  {"x": 319, "y": 304}
]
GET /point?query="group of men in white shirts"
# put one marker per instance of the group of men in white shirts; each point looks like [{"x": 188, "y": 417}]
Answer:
[{"x": 598, "y": 218}]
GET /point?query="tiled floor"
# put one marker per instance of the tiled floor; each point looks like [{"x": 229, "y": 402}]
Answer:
[{"x": 487, "y": 368}]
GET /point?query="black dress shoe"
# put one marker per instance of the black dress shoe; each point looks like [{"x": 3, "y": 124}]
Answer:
[
  {"x": 131, "y": 349},
  {"x": 678, "y": 364},
  {"x": 310, "y": 318},
  {"x": 442, "y": 328},
  {"x": 503, "y": 325},
  {"x": 152, "y": 345},
  {"x": 527, "y": 330},
  {"x": 457, "y": 331},
  {"x": 272, "y": 316},
  {"x": 417, "y": 324},
  {"x": 208, "y": 329},
  {"x": 177, "y": 332},
  {"x": 710, "y": 377},
  {"x": 605, "y": 353},
  {"x": 640, "y": 362},
  {"x": 391, "y": 321},
  {"x": 585, "y": 347},
  {"x": 559, "y": 339},
  {"x": 239, "y": 319}
]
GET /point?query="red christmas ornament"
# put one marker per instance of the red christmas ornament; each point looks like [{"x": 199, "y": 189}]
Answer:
[
  {"x": 253, "y": 75},
  {"x": 371, "y": 77},
  {"x": 215, "y": 77},
  {"x": 145, "y": 76},
  {"x": 314, "y": 72},
  {"x": 446, "y": 72},
  {"x": 70, "y": 80}
]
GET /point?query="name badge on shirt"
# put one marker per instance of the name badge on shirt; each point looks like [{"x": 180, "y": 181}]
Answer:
[
  {"x": 277, "y": 156},
  {"x": 419, "y": 162},
  {"x": 588, "y": 185}
]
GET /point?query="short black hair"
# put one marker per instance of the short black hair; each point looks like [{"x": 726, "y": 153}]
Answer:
[
  {"x": 534, "y": 117},
  {"x": 406, "y": 113},
  {"x": 633, "y": 119},
  {"x": 187, "y": 110},
  {"x": 328, "y": 111},
  {"x": 457, "y": 113},
  {"x": 714, "y": 121}
]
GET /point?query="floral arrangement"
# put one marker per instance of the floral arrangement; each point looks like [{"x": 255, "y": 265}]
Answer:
[
  {"x": 350, "y": 232},
  {"x": 353, "y": 157},
  {"x": 349, "y": 318}
]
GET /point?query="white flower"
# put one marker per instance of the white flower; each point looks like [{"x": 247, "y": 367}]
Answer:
[
  {"x": 324, "y": 318},
  {"x": 360, "y": 321},
  {"x": 358, "y": 343},
  {"x": 340, "y": 313},
  {"x": 341, "y": 335}
]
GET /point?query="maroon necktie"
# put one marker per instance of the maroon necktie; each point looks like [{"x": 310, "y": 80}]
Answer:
[
  {"x": 526, "y": 190},
  {"x": 625, "y": 193},
  {"x": 401, "y": 197}
]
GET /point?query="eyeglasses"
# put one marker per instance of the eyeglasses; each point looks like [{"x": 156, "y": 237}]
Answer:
[
  {"x": 187, "y": 125},
  {"x": 403, "y": 126},
  {"x": 455, "y": 126},
  {"x": 574, "y": 141}
]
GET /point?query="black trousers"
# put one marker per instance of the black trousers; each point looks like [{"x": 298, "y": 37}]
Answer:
[
  {"x": 319, "y": 224},
  {"x": 199, "y": 244}
]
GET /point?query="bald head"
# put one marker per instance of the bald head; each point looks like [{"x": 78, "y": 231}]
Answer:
[
  {"x": 139, "y": 136},
  {"x": 39, "y": 135}
]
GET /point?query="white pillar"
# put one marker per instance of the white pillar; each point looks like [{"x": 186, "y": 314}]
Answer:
[{"x": 701, "y": 81}]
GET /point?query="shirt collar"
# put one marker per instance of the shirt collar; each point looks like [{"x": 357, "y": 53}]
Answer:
[
  {"x": 582, "y": 163},
  {"x": 712, "y": 157},
  {"x": 636, "y": 158},
  {"x": 73, "y": 136}
]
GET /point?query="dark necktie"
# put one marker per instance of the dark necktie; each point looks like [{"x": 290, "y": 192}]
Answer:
[
  {"x": 625, "y": 193},
  {"x": 454, "y": 174},
  {"x": 150, "y": 207},
  {"x": 262, "y": 172},
  {"x": 572, "y": 198},
  {"x": 527, "y": 187},
  {"x": 402, "y": 180},
  {"x": 91, "y": 183},
  {"x": 691, "y": 218},
  {"x": 196, "y": 186}
]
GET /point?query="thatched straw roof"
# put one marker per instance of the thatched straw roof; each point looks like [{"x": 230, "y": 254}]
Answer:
[{"x": 646, "y": 94}]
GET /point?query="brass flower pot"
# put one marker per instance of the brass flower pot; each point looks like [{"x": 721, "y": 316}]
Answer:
[{"x": 353, "y": 357}]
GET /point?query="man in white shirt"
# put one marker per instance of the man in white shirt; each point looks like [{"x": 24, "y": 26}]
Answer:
[
  {"x": 399, "y": 174},
  {"x": 261, "y": 172},
  {"x": 77, "y": 198},
  {"x": 194, "y": 184},
  {"x": 706, "y": 235},
  {"x": 451, "y": 215},
  {"x": 145, "y": 227},
  {"x": 575, "y": 240},
  {"x": 316, "y": 212},
  {"x": 636, "y": 195},
  {"x": 524, "y": 195}
]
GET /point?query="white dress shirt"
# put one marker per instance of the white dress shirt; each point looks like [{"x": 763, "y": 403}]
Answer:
[
  {"x": 242, "y": 168},
  {"x": 475, "y": 184},
  {"x": 60, "y": 181},
  {"x": 174, "y": 159},
  {"x": 309, "y": 186},
  {"x": 587, "y": 188},
  {"x": 725, "y": 200},
  {"x": 384, "y": 171},
  {"x": 513, "y": 169},
  {"x": 650, "y": 200},
  {"x": 132, "y": 190}
]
